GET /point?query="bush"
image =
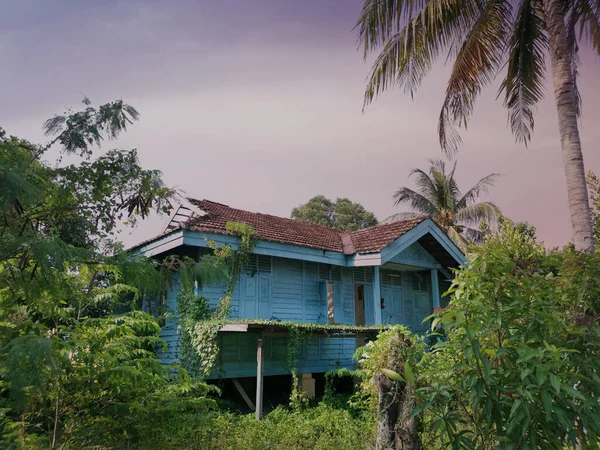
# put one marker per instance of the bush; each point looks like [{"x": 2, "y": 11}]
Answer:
[
  {"x": 519, "y": 365},
  {"x": 320, "y": 428}
]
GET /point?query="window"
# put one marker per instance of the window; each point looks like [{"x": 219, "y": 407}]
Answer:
[
  {"x": 257, "y": 264},
  {"x": 330, "y": 273},
  {"x": 419, "y": 282},
  {"x": 391, "y": 278},
  {"x": 363, "y": 274}
]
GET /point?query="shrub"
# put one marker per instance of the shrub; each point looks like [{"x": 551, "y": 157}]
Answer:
[
  {"x": 519, "y": 365},
  {"x": 320, "y": 428}
]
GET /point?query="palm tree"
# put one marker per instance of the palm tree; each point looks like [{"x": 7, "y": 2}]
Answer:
[
  {"x": 439, "y": 197},
  {"x": 483, "y": 37}
]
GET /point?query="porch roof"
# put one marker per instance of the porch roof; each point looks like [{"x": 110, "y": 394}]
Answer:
[{"x": 272, "y": 327}]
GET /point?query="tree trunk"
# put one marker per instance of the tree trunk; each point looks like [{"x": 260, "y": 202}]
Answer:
[
  {"x": 566, "y": 105},
  {"x": 387, "y": 412},
  {"x": 395, "y": 430}
]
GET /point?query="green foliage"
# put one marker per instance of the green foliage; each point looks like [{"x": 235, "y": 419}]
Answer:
[
  {"x": 519, "y": 366},
  {"x": 439, "y": 197},
  {"x": 319, "y": 428},
  {"x": 297, "y": 398},
  {"x": 71, "y": 366},
  {"x": 109, "y": 189},
  {"x": 198, "y": 324},
  {"x": 360, "y": 402},
  {"x": 79, "y": 131},
  {"x": 192, "y": 309},
  {"x": 342, "y": 214},
  {"x": 105, "y": 375},
  {"x": 396, "y": 346}
]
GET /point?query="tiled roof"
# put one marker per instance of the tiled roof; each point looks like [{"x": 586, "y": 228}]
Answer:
[
  {"x": 373, "y": 239},
  {"x": 267, "y": 227},
  {"x": 296, "y": 232}
]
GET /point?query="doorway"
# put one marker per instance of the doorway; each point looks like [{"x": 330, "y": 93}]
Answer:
[
  {"x": 359, "y": 311},
  {"x": 359, "y": 304}
]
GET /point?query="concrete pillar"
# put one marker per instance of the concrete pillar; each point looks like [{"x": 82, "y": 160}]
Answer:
[
  {"x": 306, "y": 383},
  {"x": 259, "y": 378}
]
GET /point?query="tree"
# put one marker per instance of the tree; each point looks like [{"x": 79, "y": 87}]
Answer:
[
  {"x": 73, "y": 365},
  {"x": 439, "y": 197},
  {"x": 386, "y": 368},
  {"x": 594, "y": 189},
  {"x": 483, "y": 38},
  {"x": 342, "y": 214}
]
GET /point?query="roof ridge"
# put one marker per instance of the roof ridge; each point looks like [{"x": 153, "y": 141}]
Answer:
[
  {"x": 348, "y": 246},
  {"x": 381, "y": 225},
  {"x": 339, "y": 230}
]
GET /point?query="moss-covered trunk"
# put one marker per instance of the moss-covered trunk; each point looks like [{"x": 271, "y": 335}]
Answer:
[{"x": 396, "y": 430}]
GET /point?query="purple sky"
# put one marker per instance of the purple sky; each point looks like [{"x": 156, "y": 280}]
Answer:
[{"x": 258, "y": 105}]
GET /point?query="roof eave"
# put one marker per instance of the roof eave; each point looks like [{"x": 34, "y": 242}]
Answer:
[{"x": 414, "y": 234}]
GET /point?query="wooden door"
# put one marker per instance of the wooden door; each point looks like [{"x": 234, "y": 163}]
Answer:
[
  {"x": 359, "y": 304},
  {"x": 359, "y": 311},
  {"x": 422, "y": 309},
  {"x": 392, "y": 312}
]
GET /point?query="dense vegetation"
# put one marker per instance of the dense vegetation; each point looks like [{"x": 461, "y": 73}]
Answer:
[
  {"x": 512, "y": 362},
  {"x": 71, "y": 366},
  {"x": 518, "y": 367},
  {"x": 319, "y": 427}
]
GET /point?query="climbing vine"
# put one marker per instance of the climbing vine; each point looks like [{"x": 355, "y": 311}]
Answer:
[
  {"x": 199, "y": 324},
  {"x": 297, "y": 397}
]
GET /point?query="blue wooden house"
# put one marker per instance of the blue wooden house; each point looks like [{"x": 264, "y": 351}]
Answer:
[{"x": 300, "y": 272}]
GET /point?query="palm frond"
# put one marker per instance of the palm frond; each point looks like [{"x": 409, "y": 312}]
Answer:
[
  {"x": 473, "y": 235},
  {"x": 426, "y": 185},
  {"x": 400, "y": 216},
  {"x": 445, "y": 185},
  {"x": 417, "y": 201},
  {"x": 414, "y": 33},
  {"x": 379, "y": 20},
  {"x": 481, "y": 187},
  {"x": 474, "y": 213},
  {"x": 393, "y": 66},
  {"x": 457, "y": 238},
  {"x": 587, "y": 12},
  {"x": 452, "y": 184},
  {"x": 523, "y": 86},
  {"x": 477, "y": 63}
]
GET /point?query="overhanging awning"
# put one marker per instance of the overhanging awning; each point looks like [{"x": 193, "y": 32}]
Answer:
[{"x": 274, "y": 328}]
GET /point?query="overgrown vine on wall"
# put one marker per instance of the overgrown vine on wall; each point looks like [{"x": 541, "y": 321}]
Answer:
[
  {"x": 199, "y": 324},
  {"x": 297, "y": 397}
]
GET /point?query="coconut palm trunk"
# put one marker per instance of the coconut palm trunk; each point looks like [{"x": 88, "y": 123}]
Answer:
[{"x": 566, "y": 105}]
